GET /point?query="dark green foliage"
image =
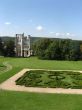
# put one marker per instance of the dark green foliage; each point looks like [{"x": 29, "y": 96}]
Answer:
[
  {"x": 74, "y": 52},
  {"x": 40, "y": 47},
  {"x": 1, "y": 47},
  {"x": 53, "y": 51},
  {"x": 77, "y": 77},
  {"x": 51, "y": 79},
  {"x": 58, "y": 49},
  {"x": 9, "y": 49}
]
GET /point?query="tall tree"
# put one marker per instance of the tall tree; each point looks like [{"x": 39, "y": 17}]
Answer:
[
  {"x": 1, "y": 47},
  {"x": 40, "y": 47},
  {"x": 58, "y": 49},
  {"x": 53, "y": 51},
  {"x": 65, "y": 44},
  {"x": 75, "y": 52},
  {"x": 9, "y": 49}
]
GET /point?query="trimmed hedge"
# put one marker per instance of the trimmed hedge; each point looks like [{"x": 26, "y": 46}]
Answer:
[{"x": 51, "y": 79}]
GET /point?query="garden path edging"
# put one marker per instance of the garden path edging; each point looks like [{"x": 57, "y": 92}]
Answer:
[{"x": 11, "y": 85}]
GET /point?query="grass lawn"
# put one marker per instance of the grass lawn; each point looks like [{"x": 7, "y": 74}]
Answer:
[
  {"x": 10, "y": 100},
  {"x": 2, "y": 67},
  {"x": 34, "y": 101}
]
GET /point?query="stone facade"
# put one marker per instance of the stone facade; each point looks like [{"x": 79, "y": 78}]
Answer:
[{"x": 23, "y": 45}]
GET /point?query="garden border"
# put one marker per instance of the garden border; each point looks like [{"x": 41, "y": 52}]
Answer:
[{"x": 10, "y": 84}]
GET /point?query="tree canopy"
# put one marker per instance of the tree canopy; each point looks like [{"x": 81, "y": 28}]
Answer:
[
  {"x": 7, "y": 48},
  {"x": 1, "y": 47},
  {"x": 58, "y": 49}
]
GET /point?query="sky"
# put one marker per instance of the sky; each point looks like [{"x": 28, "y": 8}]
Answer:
[{"x": 46, "y": 18}]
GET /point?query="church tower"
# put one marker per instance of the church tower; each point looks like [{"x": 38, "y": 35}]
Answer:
[{"x": 22, "y": 45}]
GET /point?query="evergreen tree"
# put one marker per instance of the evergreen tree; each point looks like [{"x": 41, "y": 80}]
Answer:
[
  {"x": 1, "y": 47},
  {"x": 9, "y": 49}
]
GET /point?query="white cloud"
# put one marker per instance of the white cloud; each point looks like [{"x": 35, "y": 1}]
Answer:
[
  {"x": 52, "y": 32},
  {"x": 73, "y": 35},
  {"x": 68, "y": 34},
  {"x": 7, "y": 23},
  {"x": 57, "y": 34},
  {"x": 64, "y": 34},
  {"x": 39, "y": 28}
]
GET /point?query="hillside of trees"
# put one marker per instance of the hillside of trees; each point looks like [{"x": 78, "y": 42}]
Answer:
[
  {"x": 32, "y": 39},
  {"x": 59, "y": 49},
  {"x": 45, "y": 48}
]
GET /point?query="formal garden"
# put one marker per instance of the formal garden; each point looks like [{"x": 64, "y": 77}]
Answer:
[
  {"x": 53, "y": 60},
  {"x": 51, "y": 79},
  {"x": 11, "y": 100}
]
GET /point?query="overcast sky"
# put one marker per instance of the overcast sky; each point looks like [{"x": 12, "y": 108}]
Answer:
[{"x": 52, "y": 18}]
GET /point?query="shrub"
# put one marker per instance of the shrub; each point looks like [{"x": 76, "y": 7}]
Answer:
[{"x": 52, "y": 79}]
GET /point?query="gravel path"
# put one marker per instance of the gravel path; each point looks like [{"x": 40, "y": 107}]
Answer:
[
  {"x": 10, "y": 85},
  {"x": 8, "y": 67}
]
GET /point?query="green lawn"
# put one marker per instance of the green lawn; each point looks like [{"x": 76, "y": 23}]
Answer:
[
  {"x": 2, "y": 68},
  {"x": 36, "y": 101},
  {"x": 33, "y": 62},
  {"x": 10, "y": 100}
]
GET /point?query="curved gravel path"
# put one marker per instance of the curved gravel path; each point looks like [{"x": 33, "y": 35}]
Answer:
[
  {"x": 10, "y": 85},
  {"x": 8, "y": 67}
]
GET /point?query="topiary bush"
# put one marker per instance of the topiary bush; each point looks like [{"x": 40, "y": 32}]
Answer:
[{"x": 51, "y": 79}]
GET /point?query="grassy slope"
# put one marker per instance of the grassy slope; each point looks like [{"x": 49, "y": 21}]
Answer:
[{"x": 31, "y": 101}]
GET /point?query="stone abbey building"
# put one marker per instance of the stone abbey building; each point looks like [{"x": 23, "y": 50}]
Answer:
[{"x": 23, "y": 48}]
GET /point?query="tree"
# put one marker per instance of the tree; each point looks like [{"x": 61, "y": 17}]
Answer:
[
  {"x": 58, "y": 49},
  {"x": 81, "y": 50},
  {"x": 53, "y": 51},
  {"x": 75, "y": 52},
  {"x": 9, "y": 49},
  {"x": 1, "y": 47},
  {"x": 65, "y": 44},
  {"x": 40, "y": 47}
]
